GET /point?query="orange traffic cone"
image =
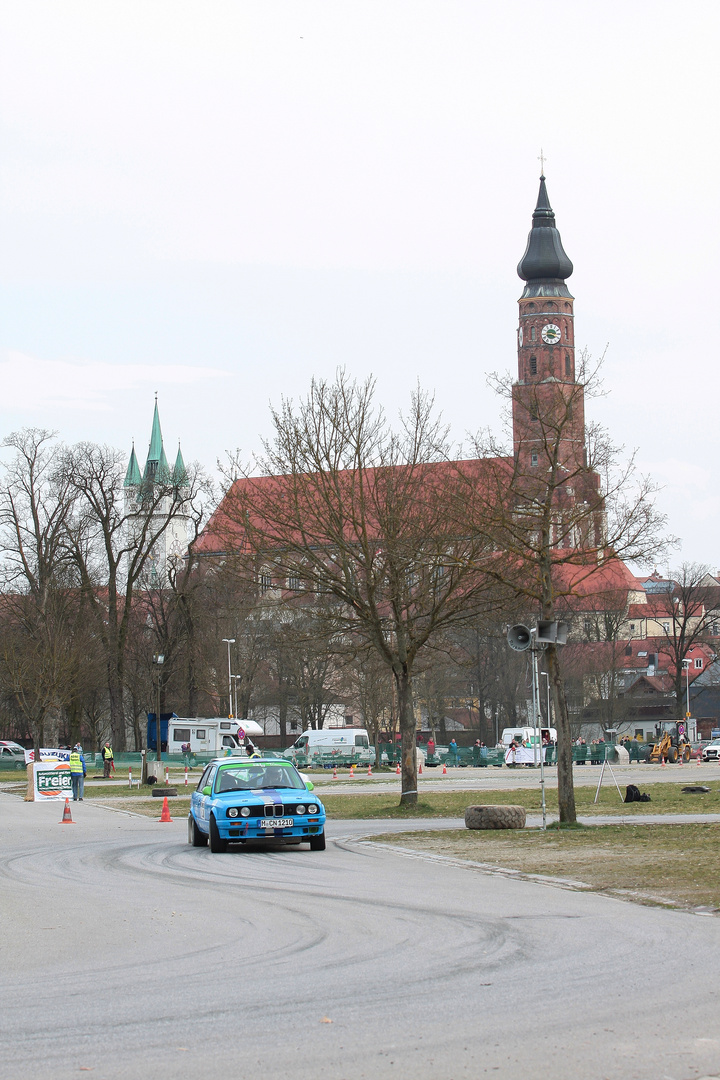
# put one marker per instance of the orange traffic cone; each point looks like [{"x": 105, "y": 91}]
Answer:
[
  {"x": 397, "y": 770},
  {"x": 663, "y": 762},
  {"x": 420, "y": 769},
  {"x": 369, "y": 770},
  {"x": 67, "y": 816},
  {"x": 334, "y": 772},
  {"x": 699, "y": 757},
  {"x": 444, "y": 769},
  {"x": 680, "y": 757},
  {"x": 165, "y": 816},
  {"x": 352, "y": 772}
]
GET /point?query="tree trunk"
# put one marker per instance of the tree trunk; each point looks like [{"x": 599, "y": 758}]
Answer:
[
  {"x": 117, "y": 713},
  {"x": 566, "y": 791},
  {"x": 282, "y": 714},
  {"x": 403, "y": 682},
  {"x": 74, "y": 720}
]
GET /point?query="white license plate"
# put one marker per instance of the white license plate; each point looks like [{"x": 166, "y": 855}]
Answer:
[{"x": 275, "y": 823}]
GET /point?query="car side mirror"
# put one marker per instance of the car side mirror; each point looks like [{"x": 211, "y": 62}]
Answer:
[
  {"x": 207, "y": 790},
  {"x": 309, "y": 785}
]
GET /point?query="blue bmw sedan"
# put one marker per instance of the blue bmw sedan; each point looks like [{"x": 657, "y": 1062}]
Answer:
[{"x": 254, "y": 799}]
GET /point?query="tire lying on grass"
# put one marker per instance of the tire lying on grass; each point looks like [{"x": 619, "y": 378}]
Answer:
[{"x": 495, "y": 817}]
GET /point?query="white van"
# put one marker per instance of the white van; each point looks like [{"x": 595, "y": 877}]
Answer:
[
  {"x": 527, "y": 734},
  {"x": 342, "y": 743}
]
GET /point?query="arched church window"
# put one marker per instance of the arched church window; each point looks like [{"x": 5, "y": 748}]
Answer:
[
  {"x": 567, "y": 307},
  {"x": 567, "y": 366},
  {"x": 531, "y": 307},
  {"x": 533, "y": 365},
  {"x": 532, "y": 333},
  {"x": 567, "y": 334},
  {"x": 533, "y": 458}
]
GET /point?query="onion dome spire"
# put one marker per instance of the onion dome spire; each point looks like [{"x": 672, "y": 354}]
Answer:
[{"x": 544, "y": 266}]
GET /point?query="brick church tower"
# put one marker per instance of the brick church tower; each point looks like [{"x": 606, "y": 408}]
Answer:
[{"x": 548, "y": 404}]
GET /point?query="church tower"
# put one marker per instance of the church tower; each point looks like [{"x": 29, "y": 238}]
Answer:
[
  {"x": 548, "y": 403},
  {"x": 153, "y": 492}
]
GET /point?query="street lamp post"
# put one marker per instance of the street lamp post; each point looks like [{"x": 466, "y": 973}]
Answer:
[
  {"x": 236, "y": 679},
  {"x": 547, "y": 677},
  {"x": 686, "y": 665},
  {"x": 158, "y": 660},
  {"x": 229, "y": 641}
]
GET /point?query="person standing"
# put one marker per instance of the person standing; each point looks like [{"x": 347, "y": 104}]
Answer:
[
  {"x": 453, "y": 748},
  {"x": 108, "y": 763},
  {"x": 77, "y": 772},
  {"x": 431, "y": 747}
]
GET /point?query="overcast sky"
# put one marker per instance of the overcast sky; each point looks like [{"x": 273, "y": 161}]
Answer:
[{"x": 219, "y": 200}]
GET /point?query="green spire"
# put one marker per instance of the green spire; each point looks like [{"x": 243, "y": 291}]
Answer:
[
  {"x": 132, "y": 476},
  {"x": 179, "y": 470},
  {"x": 156, "y": 466}
]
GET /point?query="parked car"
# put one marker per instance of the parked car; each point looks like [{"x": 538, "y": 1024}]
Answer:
[
  {"x": 11, "y": 754},
  {"x": 712, "y": 751},
  {"x": 242, "y": 799}
]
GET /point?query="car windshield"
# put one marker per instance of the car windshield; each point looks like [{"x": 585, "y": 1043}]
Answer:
[{"x": 256, "y": 776}]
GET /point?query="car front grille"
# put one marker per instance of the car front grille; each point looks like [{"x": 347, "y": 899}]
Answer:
[{"x": 271, "y": 810}]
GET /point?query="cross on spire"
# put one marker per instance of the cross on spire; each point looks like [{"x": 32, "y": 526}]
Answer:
[{"x": 542, "y": 159}]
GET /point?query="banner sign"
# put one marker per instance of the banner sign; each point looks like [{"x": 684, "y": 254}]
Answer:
[
  {"x": 51, "y": 780},
  {"x": 522, "y": 755},
  {"x": 47, "y": 755}
]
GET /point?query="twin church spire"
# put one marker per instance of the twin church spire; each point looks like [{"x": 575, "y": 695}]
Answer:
[{"x": 156, "y": 469}]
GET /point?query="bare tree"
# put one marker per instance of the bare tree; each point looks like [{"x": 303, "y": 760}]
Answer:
[
  {"x": 112, "y": 548},
  {"x": 40, "y": 669},
  {"x": 563, "y": 506},
  {"x": 374, "y": 519},
  {"x": 687, "y": 617}
]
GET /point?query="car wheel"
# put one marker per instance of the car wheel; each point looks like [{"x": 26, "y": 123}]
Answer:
[
  {"x": 19, "y": 764},
  {"x": 672, "y": 755},
  {"x": 317, "y": 843},
  {"x": 217, "y": 845},
  {"x": 195, "y": 837}
]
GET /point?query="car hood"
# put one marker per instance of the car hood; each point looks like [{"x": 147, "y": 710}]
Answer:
[{"x": 269, "y": 795}]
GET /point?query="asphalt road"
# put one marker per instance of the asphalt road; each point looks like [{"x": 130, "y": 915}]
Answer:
[{"x": 127, "y": 954}]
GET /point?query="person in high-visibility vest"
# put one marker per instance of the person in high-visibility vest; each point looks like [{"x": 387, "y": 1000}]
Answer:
[
  {"x": 108, "y": 763},
  {"x": 77, "y": 772}
]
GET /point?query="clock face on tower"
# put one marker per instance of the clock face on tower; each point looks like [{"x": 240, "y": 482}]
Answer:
[{"x": 551, "y": 334}]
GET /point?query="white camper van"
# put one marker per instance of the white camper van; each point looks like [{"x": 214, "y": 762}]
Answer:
[
  {"x": 327, "y": 743},
  {"x": 204, "y": 736},
  {"x": 527, "y": 734}
]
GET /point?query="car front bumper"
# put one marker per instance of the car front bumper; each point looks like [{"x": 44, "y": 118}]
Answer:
[{"x": 247, "y": 829}]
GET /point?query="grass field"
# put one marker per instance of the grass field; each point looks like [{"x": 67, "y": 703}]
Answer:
[
  {"x": 659, "y": 864},
  {"x": 666, "y": 799}
]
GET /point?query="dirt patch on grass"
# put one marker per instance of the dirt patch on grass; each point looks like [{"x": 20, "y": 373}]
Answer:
[{"x": 666, "y": 864}]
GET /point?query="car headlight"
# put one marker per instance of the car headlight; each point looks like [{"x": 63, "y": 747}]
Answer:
[
  {"x": 233, "y": 811},
  {"x": 313, "y": 809},
  {"x": 300, "y": 809},
  {"x": 245, "y": 811}
]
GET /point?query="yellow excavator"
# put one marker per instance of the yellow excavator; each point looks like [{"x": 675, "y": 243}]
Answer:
[{"x": 671, "y": 743}]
